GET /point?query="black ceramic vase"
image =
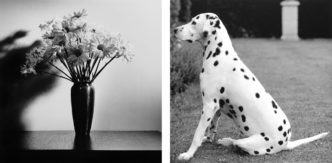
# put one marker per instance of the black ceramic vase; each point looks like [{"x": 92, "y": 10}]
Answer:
[{"x": 82, "y": 102}]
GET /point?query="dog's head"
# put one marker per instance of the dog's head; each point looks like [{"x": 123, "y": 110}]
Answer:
[{"x": 199, "y": 28}]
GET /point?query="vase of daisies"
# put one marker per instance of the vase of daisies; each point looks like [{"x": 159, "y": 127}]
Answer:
[{"x": 76, "y": 52}]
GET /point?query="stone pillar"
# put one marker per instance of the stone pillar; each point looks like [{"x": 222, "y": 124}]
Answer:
[{"x": 290, "y": 19}]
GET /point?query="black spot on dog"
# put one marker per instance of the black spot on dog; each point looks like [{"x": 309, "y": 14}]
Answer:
[
  {"x": 246, "y": 128},
  {"x": 211, "y": 17},
  {"x": 222, "y": 90},
  {"x": 256, "y": 152},
  {"x": 280, "y": 128},
  {"x": 227, "y": 101},
  {"x": 240, "y": 108},
  {"x": 193, "y": 23},
  {"x": 285, "y": 134},
  {"x": 205, "y": 33},
  {"x": 203, "y": 93},
  {"x": 274, "y": 105},
  {"x": 253, "y": 78},
  {"x": 266, "y": 139},
  {"x": 214, "y": 32},
  {"x": 234, "y": 69},
  {"x": 217, "y": 52},
  {"x": 268, "y": 150},
  {"x": 246, "y": 77},
  {"x": 235, "y": 59},
  {"x": 217, "y": 25},
  {"x": 289, "y": 130},
  {"x": 231, "y": 106},
  {"x": 190, "y": 41},
  {"x": 212, "y": 127},
  {"x": 205, "y": 47},
  {"x": 226, "y": 52},
  {"x": 209, "y": 55},
  {"x": 192, "y": 35},
  {"x": 280, "y": 142},
  {"x": 220, "y": 44},
  {"x": 208, "y": 119},
  {"x": 271, "y": 147},
  {"x": 221, "y": 103},
  {"x": 243, "y": 118},
  {"x": 202, "y": 70},
  {"x": 244, "y": 152},
  {"x": 242, "y": 69},
  {"x": 202, "y": 112},
  {"x": 229, "y": 115},
  {"x": 257, "y": 95},
  {"x": 216, "y": 63},
  {"x": 208, "y": 42},
  {"x": 284, "y": 121},
  {"x": 215, "y": 38},
  {"x": 263, "y": 134},
  {"x": 175, "y": 30},
  {"x": 197, "y": 17},
  {"x": 215, "y": 100},
  {"x": 211, "y": 22},
  {"x": 275, "y": 112},
  {"x": 207, "y": 16},
  {"x": 286, "y": 139}
]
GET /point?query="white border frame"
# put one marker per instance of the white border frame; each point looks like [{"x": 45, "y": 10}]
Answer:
[{"x": 165, "y": 25}]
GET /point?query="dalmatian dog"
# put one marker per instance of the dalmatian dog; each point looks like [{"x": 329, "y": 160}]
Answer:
[{"x": 229, "y": 87}]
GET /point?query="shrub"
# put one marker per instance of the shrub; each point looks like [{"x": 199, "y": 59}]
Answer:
[{"x": 185, "y": 65}]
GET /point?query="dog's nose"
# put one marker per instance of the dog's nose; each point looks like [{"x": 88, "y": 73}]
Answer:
[{"x": 175, "y": 30}]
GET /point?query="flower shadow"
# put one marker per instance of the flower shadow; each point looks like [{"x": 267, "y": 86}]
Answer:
[{"x": 17, "y": 90}]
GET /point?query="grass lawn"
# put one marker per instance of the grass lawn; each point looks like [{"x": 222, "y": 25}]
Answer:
[{"x": 297, "y": 74}]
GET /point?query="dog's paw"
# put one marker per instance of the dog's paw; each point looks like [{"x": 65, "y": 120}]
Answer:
[
  {"x": 185, "y": 156},
  {"x": 225, "y": 141}
]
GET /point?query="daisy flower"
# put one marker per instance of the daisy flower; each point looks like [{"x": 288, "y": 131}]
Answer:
[{"x": 83, "y": 51}]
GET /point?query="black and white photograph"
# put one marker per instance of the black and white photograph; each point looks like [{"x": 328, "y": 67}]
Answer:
[
  {"x": 199, "y": 81},
  {"x": 80, "y": 81},
  {"x": 251, "y": 81}
]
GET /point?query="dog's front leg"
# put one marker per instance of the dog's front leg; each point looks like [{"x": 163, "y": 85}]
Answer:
[{"x": 208, "y": 113}]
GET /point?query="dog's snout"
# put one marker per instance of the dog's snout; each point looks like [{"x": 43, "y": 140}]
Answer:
[{"x": 175, "y": 30}]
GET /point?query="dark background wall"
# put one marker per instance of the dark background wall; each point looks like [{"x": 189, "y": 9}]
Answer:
[
  {"x": 262, "y": 18},
  {"x": 315, "y": 18}
]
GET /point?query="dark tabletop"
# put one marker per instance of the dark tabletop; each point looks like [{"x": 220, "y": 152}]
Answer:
[{"x": 100, "y": 146}]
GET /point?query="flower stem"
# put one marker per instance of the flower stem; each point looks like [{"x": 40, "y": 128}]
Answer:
[
  {"x": 95, "y": 76},
  {"x": 71, "y": 68},
  {"x": 59, "y": 69},
  {"x": 57, "y": 75},
  {"x": 81, "y": 72},
  {"x": 93, "y": 66},
  {"x": 63, "y": 61}
]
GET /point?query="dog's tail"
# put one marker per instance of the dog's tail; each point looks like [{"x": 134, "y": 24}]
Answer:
[{"x": 296, "y": 143}]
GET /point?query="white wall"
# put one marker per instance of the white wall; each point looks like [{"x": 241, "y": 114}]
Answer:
[{"x": 128, "y": 95}]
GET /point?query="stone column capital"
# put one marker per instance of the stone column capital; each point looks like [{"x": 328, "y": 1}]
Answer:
[{"x": 290, "y": 3}]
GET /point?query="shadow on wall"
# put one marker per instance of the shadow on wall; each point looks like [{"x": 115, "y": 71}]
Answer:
[{"x": 17, "y": 90}]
